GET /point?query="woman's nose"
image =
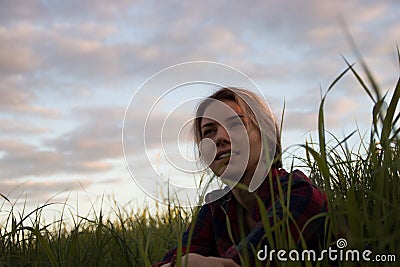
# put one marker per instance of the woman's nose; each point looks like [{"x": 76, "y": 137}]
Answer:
[{"x": 222, "y": 137}]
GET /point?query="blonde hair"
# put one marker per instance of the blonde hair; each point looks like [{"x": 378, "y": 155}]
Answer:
[{"x": 255, "y": 108}]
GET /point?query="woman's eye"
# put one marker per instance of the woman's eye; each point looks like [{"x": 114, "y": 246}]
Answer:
[
  {"x": 208, "y": 132},
  {"x": 236, "y": 124}
]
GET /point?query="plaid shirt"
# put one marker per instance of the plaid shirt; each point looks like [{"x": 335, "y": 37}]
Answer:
[{"x": 212, "y": 235}]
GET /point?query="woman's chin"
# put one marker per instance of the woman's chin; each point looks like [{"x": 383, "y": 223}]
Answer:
[{"x": 230, "y": 175}]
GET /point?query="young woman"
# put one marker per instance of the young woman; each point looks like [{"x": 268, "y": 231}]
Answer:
[{"x": 239, "y": 140}]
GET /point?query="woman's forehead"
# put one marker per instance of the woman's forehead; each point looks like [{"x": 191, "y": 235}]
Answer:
[{"x": 220, "y": 111}]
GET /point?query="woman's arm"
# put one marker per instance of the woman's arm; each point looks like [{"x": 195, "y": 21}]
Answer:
[
  {"x": 197, "y": 260},
  {"x": 199, "y": 240}
]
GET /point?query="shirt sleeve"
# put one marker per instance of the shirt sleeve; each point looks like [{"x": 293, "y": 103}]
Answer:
[
  {"x": 198, "y": 240},
  {"x": 306, "y": 200}
]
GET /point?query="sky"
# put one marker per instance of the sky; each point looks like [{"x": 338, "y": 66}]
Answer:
[{"x": 71, "y": 72}]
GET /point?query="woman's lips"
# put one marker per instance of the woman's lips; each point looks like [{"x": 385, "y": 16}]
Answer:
[{"x": 225, "y": 154}]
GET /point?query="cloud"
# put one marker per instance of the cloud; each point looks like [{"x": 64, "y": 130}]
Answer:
[
  {"x": 16, "y": 58},
  {"x": 96, "y": 139},
  {"x": 42, "y": 191},
  {"x": 78, "y": 48},
  {"x": 11, "y": 127},
  {"x": 304, "y": 121},
  {"x": 339, "y": 110},
  {"x": 50, "y": 11},
  {"x": 15, "y": 99},
  {"x": 85, "y": 149},
  {"x": 16, "y": 53},
  {"x": 72, "y": 50},
  {"x": 12, "y": 11},
  {"x": 20, "y": 159},
  {"x": 90, "y": 29}
]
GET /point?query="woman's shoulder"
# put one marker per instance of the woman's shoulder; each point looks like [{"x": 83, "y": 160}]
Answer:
[
  {"x": 214, "y": 203},
  {"x": 295, "y": 179},
  {"x": 300, "y": 182},
  {"x": 218, "y": 196},
  {"x": 294, "y": 175}
]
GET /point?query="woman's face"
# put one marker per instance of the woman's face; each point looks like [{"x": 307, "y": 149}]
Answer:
[{"x": 236, "y": 142}]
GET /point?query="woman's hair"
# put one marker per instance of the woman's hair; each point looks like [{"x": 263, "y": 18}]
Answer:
[{"x": 257, "y": 111}]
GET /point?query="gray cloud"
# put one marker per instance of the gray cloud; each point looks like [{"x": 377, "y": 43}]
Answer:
[
  {"x": 42, "y": 191},
  {"x": 339, "y": 111},
  {"x": 11, "y": 11},
  {"x": 82, "y": 150},
  {"x": 20, "y": 159},
  {"x": 76, "y": 47},
  {"x": 20, "y": 128},
  {"x": 15, "y": 99}
]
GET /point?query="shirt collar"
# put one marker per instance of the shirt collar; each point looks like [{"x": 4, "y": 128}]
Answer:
[{"x": 263, "y": 191}]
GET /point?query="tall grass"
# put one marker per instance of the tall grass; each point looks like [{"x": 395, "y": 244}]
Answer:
[
  {"x": 362, "y": 184},
  {"x": 134, "y": 238}
]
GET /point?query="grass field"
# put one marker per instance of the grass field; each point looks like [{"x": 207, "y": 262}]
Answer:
[{"x": 362, "y": 184}]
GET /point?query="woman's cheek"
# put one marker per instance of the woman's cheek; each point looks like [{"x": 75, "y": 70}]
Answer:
[{"x": 208, "y": 151}]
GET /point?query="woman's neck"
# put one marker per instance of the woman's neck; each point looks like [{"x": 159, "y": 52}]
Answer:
[{"x": 245, "y": 198}]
